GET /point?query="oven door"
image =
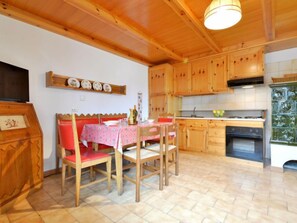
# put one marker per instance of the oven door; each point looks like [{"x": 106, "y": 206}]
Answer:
[{"x": 244, "y": 146}]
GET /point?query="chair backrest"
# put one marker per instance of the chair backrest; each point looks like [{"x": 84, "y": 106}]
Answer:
[
  {"x": 171, "y": 132},
  {"x": 166, "y": 117},
  {"x": 81, "y": 120},
  {"x": 147, "y": 133},
  {"x": 69, "y": 137},
  {"x": 110, "y": 117}
]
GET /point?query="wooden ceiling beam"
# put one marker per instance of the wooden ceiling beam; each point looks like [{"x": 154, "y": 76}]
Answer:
[
  {"x": 40, "y": 22},
  {"x": 268, "y": 19},
  {"x": 101, "y": 13},
  {"x": 186, "y": 14}
]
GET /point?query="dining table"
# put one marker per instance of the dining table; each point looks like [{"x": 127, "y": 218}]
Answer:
[{"x": 116, "y": 136}]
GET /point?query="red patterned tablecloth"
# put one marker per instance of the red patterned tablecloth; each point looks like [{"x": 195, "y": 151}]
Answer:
[{"x": 116, "y": 136}]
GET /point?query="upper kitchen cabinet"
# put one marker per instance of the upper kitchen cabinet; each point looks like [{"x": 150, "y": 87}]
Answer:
[
  {"x": 200, "y": 77},
  {"x": 160, "y": 79},
  {"x": 246, "y": 63},
  {"x": 182, "y": 78},
  {"x": 218, "y": 74}
]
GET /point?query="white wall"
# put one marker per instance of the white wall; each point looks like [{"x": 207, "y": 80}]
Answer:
[
  {"x": 276, "y": 65},
  {"x": 40, "y": 51}
]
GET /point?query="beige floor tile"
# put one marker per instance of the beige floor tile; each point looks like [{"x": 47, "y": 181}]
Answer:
[
  {"x": 156, "y": 216},
  {"x": 32, "y": 218},
  {"x": 58, "y": 217},
  {"x": 131, "y": 218},
  {"x": 181, "y": 201},
  {"x": 140, "y": 209},
  {"x": 86, "y": 214},
  {"x": 19, "y": 210},
  {"x": 160, "y": 203},
  {"x": 235, "y": 210},
  {"x": 114, "y": 211},
  {"x": 255, "y": 216},
  {"x": 211, "y": 213},
  {"x": 4, "y": 218},
  {"x": 282, "y": 214},
  {"x": 46, "y": 207},
  {"x": 185, "y": 215}
]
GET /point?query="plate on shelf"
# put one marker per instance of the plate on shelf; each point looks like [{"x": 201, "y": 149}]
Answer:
[
  {"x": 86, "y": 84},
  {"x": 73, "y": 82},
  {"x": 97, "y": 86},
  {"x": 106, "y": 87}
]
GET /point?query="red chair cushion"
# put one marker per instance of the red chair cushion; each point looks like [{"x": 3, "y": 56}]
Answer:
[
  {"x": 165, "y": 119},
  {"x": 66, "y": 136},
  {"x": 87, "y": 156}
]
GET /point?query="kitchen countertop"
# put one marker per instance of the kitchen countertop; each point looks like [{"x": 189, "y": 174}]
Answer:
[{"x": 223, "y": 118}]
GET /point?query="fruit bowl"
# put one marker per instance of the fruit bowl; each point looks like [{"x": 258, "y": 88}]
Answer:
[{"x": 218, "y": 113}]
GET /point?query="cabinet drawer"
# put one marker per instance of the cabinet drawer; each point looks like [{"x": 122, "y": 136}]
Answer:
[
  {"x": 196, "y": 123},
  {"x": 217, "y": 132},
  {"x": 216, "y": 124}
]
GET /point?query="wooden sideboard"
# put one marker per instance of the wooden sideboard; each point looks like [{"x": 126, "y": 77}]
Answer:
[{"x": 21, "y": 153}]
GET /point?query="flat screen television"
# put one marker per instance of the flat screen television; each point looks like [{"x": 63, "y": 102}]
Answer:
[{"x": 14, "y": 83}]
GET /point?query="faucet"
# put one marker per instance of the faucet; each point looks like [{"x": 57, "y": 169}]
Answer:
[{"x": 193, "y": 114}]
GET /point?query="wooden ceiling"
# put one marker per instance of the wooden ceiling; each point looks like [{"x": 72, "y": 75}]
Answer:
[{"x": 152, "y": 32}]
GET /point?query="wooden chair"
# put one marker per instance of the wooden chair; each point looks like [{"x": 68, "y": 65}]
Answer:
[
  {"x": 162, "y": 118},
  {"x": 81, "y": 120},
  {"x": 78, "y": 160},
  {"x": 170, "y": 150},
  {"x": 166, "y": 117},
  {"x": 141, "y": 158}
]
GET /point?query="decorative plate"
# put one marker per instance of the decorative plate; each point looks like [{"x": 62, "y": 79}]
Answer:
[
  {"x": 86, "y": 84},
  {"x": 97, "y": 86},
  {"x": 73, "y": 82},
  {"x": 106, "y": 87}
]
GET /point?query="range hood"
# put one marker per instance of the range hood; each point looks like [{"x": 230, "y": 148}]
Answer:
[{"x": 245, "y": 82}]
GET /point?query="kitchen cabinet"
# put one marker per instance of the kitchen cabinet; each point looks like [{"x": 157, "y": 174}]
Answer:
[
  {"x": 246, "y": 63},
  {"x": 160, "y": 79},
  {"x": 200, "y": 77},
  {"x": 182, "y": 79},
  {"x": 163, "y": 104},
  {"x": 192, "y": 135},
  {"x": 216, "y": 139},
  {"x": 161, "y": 99},
  {"x": 218, "y": 73}
]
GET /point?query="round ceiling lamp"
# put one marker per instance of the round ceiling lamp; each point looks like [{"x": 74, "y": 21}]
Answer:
[{"x": 222, "y": 14}]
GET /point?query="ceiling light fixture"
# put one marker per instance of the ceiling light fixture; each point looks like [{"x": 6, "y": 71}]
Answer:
[{"x": 222, "y": 14}]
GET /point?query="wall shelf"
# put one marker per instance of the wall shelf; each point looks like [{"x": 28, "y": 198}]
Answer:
[{"x": 60, "y": 81}]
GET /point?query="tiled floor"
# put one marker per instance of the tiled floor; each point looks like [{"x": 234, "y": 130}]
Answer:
[{"x": 208, "y": 189}]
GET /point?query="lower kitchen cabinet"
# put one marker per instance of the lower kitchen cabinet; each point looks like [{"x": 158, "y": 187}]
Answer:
[
  {"x": 192, "y": 135},
  {"x": 216, "y": 140}
]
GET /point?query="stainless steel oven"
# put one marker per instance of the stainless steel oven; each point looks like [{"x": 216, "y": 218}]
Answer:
[{"x": 245, "y": 143}]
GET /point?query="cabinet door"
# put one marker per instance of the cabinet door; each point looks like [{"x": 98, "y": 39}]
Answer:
[
  {"x": 160, "y": 79},
  {"x": 157, "y": 106},
  {"x": 246, "y": 63},
  {"x": 201, "y": 81},
  {"x": 196, "y": 139},
  {"x": 181, "y": 79},
  {"x": 218, "y": 71}
]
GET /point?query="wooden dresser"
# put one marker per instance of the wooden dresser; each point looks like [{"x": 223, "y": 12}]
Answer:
[{"x": 21, "y": 153}]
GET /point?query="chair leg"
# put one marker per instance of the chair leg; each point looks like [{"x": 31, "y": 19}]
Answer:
[
  {"x": 108, "y": 170},
  {"x": 63, "y": 178},
  {"x": 176, "y": 162},
  {"x": 69, "y": 171},
  {"x": 77, "y": 186},
  {"x": 161, "y": 174},
  {"x": 138, "y": 173},
  {"x": 166, "y": 169}
]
